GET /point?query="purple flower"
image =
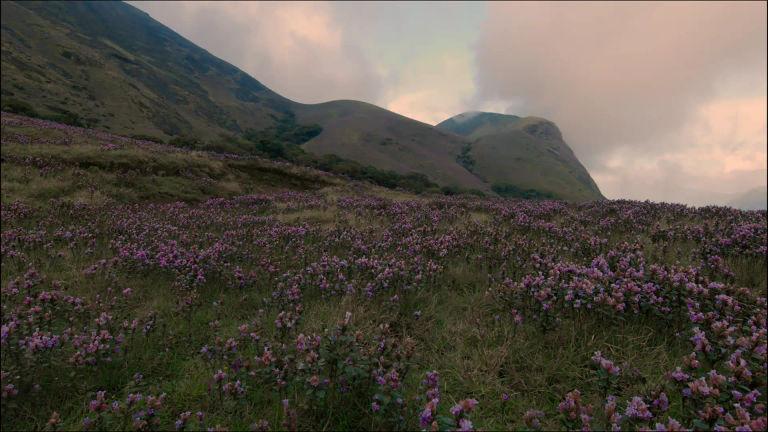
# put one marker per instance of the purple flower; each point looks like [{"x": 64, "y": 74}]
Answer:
[
  {"x": 87, "y": 423},
  {"x": 219, "y": 376},
  {"x": 532, "y": 419},
  {"x": 465, "y": 425},
  {"x": 425, "y": 418},
  {"x": 637, "y": 409},
  {"x": 661, "y": 403},
  {"x": 678, "y": 375},
  {"x": 605, "y": 364}
]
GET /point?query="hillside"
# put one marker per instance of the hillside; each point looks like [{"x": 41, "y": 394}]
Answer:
[
  {"x": 183, "y": 303},
  {"x": 375, "y": 136},
  {"x": 44, "y": 160},
  {"x": 119, "y": 70},
  {"x": 753, "y": 199},
  {"x": 111, "y": 66},
  {"x": 115, "y": 68},
  {"x": 520, "y": 155}
]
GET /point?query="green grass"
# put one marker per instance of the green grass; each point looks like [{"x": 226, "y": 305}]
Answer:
[
  {"x": 85, "y": 172},
  {"x": 525, "y": 153},
  {"x": 457, "y": 334},
  {"x": 463, "y": 331}
]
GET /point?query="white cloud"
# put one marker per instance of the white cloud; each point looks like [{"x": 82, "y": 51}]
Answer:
[
  {"x": 649, "y": 95},
  {"x": 718, "y": 151},
  {"x": 298, "y": 49},
  {"x": 432, "y": 89}
]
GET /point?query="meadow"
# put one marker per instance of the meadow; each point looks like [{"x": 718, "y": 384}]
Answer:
[{"x": 146, "y": 287}]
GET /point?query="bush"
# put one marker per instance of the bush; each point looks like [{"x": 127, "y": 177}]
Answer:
[
  {"x": 476, "y": 192},
  {"x": 271, "y": 148},
  {"x": 151, "y": 138},
  {"x": 69, "y": 118},
  {"x": 188, "y": 142},
  {"x": 19, "y": 107},
  {"x": 450, "y": 190},
  {"x": 508, "y": 190},
  {"x": 286, "y": 132},
  {"x": 465, "y": 159},
  {"x": 60, "y": 115}
]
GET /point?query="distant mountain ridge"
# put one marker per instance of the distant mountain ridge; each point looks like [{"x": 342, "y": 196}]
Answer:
[
  {"x": 116, "y": 68},
  {"x": 753, "y": 199}
]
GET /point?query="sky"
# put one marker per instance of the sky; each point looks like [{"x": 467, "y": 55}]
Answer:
[{"x": 660, "y": 101}]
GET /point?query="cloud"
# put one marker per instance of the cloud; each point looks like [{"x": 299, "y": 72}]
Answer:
[
  {"x": 431, "y": 89},
  {"x": 413, "y": 58},
  {"x": 298, "y": 49},
  {"x": 639, "y": 89},
  {"x": 719, "y": 153},
  {"x": 664, "y": 101}
]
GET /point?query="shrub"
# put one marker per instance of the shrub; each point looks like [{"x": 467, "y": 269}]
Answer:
[
  {"x": 465, "y": 159},
  {"x": 185, "y": 141},
  {"x": 19, "y": 107},
  {"x": 508, "y": 190},
  {"x": 150, "y": 138}
]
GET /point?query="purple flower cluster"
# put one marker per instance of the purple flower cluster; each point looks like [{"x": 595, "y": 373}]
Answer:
[{"x": 541, "y": 263}]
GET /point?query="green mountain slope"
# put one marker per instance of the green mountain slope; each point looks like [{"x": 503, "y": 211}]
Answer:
[
  {"x": 43, "y": 160},
  {"x": 112, "y": 67},
  {"x": 118, "y": 69},
  {"x": 375, "y": 136},
  {"x": 522, "y": 154}
]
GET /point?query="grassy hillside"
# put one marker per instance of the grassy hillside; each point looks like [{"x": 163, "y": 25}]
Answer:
[
  {"x": 375, "y": 136},
  {"x": 522, "y": 154},
  {"x": 119, "y": 70},
  {"x": 43, "y": 160},
  {"x": 327, "y": 311},
  {"x": 110, "y": 66}
]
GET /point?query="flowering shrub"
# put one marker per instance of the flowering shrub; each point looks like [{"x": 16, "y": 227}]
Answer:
[{"x": 306, "y": 310}]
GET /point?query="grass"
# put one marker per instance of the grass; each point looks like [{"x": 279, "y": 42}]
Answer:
[
  {"x": 85, "y": 172},
  {"x": 69, "y": 202},
  {"x": 458, "y": 333}
]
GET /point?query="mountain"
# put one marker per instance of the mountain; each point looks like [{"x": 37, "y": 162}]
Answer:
[
  {"x": 522, "y": 154},
  {"x": 372, "y": 135},
  {"x": 753, "y": 199},
  {"x": 110, "y": 66},
  {"x": 120, "y": 70}
]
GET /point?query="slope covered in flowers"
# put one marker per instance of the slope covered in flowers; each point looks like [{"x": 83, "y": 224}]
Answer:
[
  {"x": 149, "y": 287},
  {"x": 309, "y": 310}
]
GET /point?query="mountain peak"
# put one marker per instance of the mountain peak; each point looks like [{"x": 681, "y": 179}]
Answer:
[
  {"x": 470, "y": 114},
  {"x": 511, "y": 150}
]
